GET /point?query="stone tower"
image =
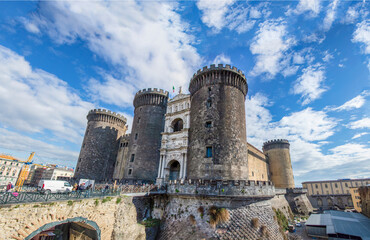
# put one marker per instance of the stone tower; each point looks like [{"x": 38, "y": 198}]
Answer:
[
  {"x": 281, "y": 170},
  {"x": 217, "y": 137},
  {"x": 145, "y": 140},
  {"x": 100, "y": 145}
]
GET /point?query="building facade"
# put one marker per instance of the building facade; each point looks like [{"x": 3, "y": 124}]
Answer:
[
  {"x": 9, "y": 171},
  {"x": 356, "y": 199},
  {"x": 174, "y": 145},
  {"x": 332, "y": 193}
]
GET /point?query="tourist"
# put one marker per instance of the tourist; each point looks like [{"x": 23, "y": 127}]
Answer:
[{"x": 9, "y": 187}]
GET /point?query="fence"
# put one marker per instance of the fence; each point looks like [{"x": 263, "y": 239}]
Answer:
[{"x": 26, "y": 197}]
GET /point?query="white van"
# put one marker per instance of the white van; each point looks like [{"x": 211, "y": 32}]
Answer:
[{"x": 54, "y": 186}]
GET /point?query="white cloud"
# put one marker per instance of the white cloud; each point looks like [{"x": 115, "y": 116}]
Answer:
[
  {"x": 362, "y": 35},
  {"x": 303, "y": 129},
  {"x": 362, "y": 123},
  {"x": 327, "y": 57},
  {"x": 314, "y": 37},
  {"x": 111, "y": 91},
  {"x": 341, "y": 65},
  {"x": 330, "y": 15},
  {"x": 270, "y": 44},
  {"x": 311, "y": 6},
  {"x": 309, "y": 84},
  {"x": 354, "y": 103},
  {"x": 356, "y": 12},
  {"x": 214, "y": 12},
  {"x": 359, "y": 135},
  {"x": 33, "y": 100},
  {"x": 146, "y": 40},
  {"x": 222, "y": 59},
  {"x": 45, "y": 152}
]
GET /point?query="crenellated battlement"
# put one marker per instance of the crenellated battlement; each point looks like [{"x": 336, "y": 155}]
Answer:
[
  {"x": 105, "y": 115},
  {"x": 276, "y": 143},
  {"x": 219, "y": 74},
  {"x": 226, "y": 188},
  {"x": 152, "y": 90},
  {"x": 151, "y": 96},
  {"x": 213, "y": 67}
]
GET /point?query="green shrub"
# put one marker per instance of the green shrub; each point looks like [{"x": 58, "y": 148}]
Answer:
[
  {"x": 118, "y": 200},
  {"x": 70, "y": 203},
  {"x": 107, "y": 199},
  {"x": 96, "y": 202},
  {"x": 177, "y": 190}
]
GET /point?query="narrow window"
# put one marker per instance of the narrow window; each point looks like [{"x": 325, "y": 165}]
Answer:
[
  {"x": 209, "y": 89},
  {"x": 132, "y": 158},
  {"x": 262, "y": 176},
  {"x": 209, "y": 103},
  {"x": 208, "y": 124},
  {"x": 136, "y": 136},
  {"x": 130, "y": 171},
  {"x": 346, "y": 184},
  {"x": 336, "y": 185},
  {"x": 326, "y": 185},
  {"x": 138, "y": 120},
  {"x": 317, "y": 186},
  {"x": 209, "y": 152},
  {"x": 252, "y": 174}
]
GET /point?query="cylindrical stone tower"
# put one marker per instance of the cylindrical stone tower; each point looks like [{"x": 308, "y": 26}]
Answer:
[
  {"x": 145, "y": 141},
  {"x": 217, "y": 137},
  {"x": 100, "y": 145},
  {"x": 280, "y": 165}
]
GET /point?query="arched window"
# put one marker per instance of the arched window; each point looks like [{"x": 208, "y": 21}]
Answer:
[
  {"x": 177, "y": 125},
  {"x": 174, "y": 170}
]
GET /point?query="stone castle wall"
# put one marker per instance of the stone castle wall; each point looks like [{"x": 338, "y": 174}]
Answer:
[
  {"x": 217, "y": 121},
  {"x": 145, "y": 141},
  {"x": 115, "y": 220},
  {"x": 100, "y": 145},
  {"x": 122, "y": 157},
  {"x": 177, "y": 212},
  {"x": 257, "y": 164},
  {"x": 280, "y": 165}
]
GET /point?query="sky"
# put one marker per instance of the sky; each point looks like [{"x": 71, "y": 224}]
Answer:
[{"x": 307, "y": 65}]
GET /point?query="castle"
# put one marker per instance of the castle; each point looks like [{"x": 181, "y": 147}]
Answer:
[
  {"x": 195, "y": 145},
  {"x": 201, "y": 135}
]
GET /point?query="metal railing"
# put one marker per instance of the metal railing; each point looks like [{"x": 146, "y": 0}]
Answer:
[{"x": 27, "y": 197}]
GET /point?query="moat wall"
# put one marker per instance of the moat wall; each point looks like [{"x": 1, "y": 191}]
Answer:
[{"x": 187, "y": 218}]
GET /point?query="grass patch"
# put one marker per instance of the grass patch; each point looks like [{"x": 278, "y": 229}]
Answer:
[
  {"x": 35, "y": 206},
  {"x": 70, "y": 203},
  {"x": 118, "y": 200},
  {"x": 255, "y": 222},
  {"x": 150, "y": 222},
  {"x": 107, "y": 199},
  {"x": 96, "y": 202},
  {"x": 218, "y": 215},
  {"x": 16, "y": 206}
]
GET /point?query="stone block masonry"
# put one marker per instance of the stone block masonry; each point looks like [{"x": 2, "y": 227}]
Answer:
[
  {"x": 145, "y": 141},
  {"x": 115, "y": 220},
  {"x": 178, "y": 212},
  {"x": 217, "y": 136},
  {"x": 100, "y": 145}
]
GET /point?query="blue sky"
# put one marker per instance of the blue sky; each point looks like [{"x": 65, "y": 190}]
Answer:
[{"x": 307, "y": 64}]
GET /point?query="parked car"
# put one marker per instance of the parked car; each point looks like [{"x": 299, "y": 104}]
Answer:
[{"x": 54, "y": 186}]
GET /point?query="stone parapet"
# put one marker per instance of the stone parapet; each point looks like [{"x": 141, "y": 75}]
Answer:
[
  {"x": 151, "y": 97},
  {"x": 219, "y": 188},
  {"x": 276, "y": 143},
  {"x": 297, "y": 190},
  {"x": 94, "y": 113},
  {"x": 218, "y": 75}
]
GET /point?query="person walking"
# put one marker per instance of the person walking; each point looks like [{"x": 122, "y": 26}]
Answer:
[{"x": 9, "y": 187}]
